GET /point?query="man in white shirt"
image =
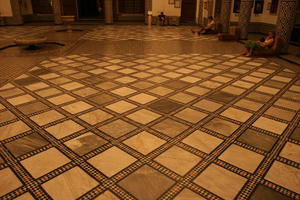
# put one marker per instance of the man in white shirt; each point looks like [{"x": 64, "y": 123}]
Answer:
[{"x": 210, "y": 28}]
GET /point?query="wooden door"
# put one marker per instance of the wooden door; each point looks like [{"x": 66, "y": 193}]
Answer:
[{"x": 188, "y": 11}]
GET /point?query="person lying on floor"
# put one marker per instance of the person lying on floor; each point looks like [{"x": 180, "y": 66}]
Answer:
[
  {"x": 209, "y": 29},
  {"x": 266, "y": 42}
]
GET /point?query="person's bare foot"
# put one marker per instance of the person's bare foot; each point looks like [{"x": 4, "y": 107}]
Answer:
[{"x": 248, "y": 55}]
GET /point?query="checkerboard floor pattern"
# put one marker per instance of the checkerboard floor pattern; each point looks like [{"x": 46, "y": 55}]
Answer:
[
  {"x": 154, "y": 33},
  {"x": 180, "y": 126}
]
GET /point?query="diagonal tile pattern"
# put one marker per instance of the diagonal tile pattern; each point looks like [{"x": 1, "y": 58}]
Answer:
[{"x": 150, "y": 126}]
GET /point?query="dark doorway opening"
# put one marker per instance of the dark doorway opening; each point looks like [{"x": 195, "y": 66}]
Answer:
[
  {"x": 91, "y": 9},
  {"x": 188, "y": 11}
]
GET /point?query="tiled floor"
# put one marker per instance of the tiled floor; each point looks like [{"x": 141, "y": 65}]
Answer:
[
  {"x": 151, "y": 126},
  {"x": 157, "y": 33}
]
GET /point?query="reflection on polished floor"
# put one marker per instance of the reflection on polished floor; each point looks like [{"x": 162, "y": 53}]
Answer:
[{"x": 148, "y": 126}]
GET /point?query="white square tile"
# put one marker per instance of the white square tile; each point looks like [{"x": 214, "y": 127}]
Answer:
[{"x": 111, "y": 161}]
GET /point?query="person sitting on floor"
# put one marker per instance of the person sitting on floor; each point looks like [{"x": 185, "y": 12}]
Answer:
[
  {"x": 209, "y": 29},
  {"x": 162, "y": 18},
  {"x": 267, "y": 42}
]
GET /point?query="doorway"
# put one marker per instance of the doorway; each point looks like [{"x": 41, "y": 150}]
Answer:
[
  {"x": 188, "y": 11},
  {"x": 90, "y": 9}
]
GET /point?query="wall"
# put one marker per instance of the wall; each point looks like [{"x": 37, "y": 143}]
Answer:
[
  {"x": 5, "y": 8},
  {"x": 26, "y": 7},
  {"x": 164, "y": 6},
  {"x": 265, "y": 17}
]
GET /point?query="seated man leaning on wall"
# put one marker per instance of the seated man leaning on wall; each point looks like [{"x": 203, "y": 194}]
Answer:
[
  {"x": 162, "y": 18},
  {"x": 208, "y": 29}
]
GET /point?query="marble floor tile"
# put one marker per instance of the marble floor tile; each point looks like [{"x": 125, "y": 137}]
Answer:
[
  {"x": 288, "y": 104},
  {"x": 197, "y": 90},
  {"x": 280, "y": 113},
  {"x": 9, "y": 181},
  {"x": 61, "y": 99},
  {"x": 191, "y": 115},
  {"x": 292, "y": 95},
  {"x": 178, "y": 160},
  {"x": 233, "y": 90},
  {"x": 143, "y": 116},
  {"x": 117, "y": 128},
  {"x": 143, "y": 98},
  {"x": 36, "y": 86},
  {"x": 290, "y": 183},
  {"x": 267, "y": 90},
  {"x": 211, "y": 84},
  {"x": 13, "y": 129},
  {"x": 144, "y": 142},
  {"x": 47, "y": 117},
  {"x": 236, "y": 114},
  {"x": 242, "y": 158},
  {"x": 208, "y": 105},
  {"x": 176, "y": 84},
  {"x": 182, "y": 97},
  {"x": 123, "y": 91},
  {"x": 27, "y": 81},
  {"x": 221, "y": 126},
  {"x": 102, "y": 99},
  {"x": 95, "y": 117},
  {"x": 72, "y": 86},
  {"x": 146, "y": 183},
  {"x": 251, "y": 105},
  {"x": 274, "y": 84},
  {"x": 107, "y": 85},
  {"x": 187, "y": 194},
  {"x": 243, "y": 84},
  {"x": 202, "y": 141},
  {"x": 85, "y": 143},
  {"x": 64, "y": 129},
  {"x": 222, "y": 96},
  {"x": 162, "y": 91},
  {"x": 6, "y": 116},
  {"x": 262, "y": 192},
  {"x": 221, "y": 79},
  {"x": 26, "y": 144},
  {"x": 77, "y": 107},
  {"x": 10, "y": 93},
  {"x": 21, "y": 99},
  {"x": 259, "y": 97},
  {"x": 48, "y": 92},
  {"x": 258, "y": 140},
  {"x": 121, "y": 106},
  {"x": 164, "y": 106},
  {"x": 39, "y": 164},
  {"x": 111, "y": 161},
  {"x": 296, "y": 134},
  {"x": 70, "y": 185},
  {"x": 291, "y": 151},
  {"x": 170, "y": 127},
  {"x": 32, "y": 108},
  {"x": 142, "y": 85},
  {"x": 217, "y": 179},
  {"x": 84, "y": 92},
  {"x": 270, "y": 125}
]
